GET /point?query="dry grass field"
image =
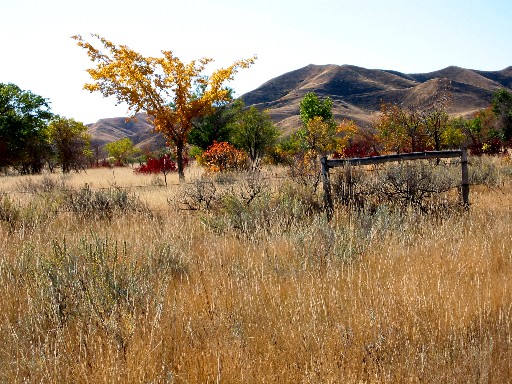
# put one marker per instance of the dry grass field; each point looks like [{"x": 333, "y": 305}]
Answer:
[{"x": 119, "y": 285}]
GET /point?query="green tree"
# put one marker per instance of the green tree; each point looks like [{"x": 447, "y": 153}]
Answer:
[
  {"x": 502, "y": 108},
  {"x": 311, "y": 106},
  {"x": 254, "y": 131},
  {"x": 70, "y": 142},
  {"x": 216, "y": 126},
  {"x": 171, "y": 92},
  {"x": 23, "y": 119},
  {"x": 121, "y": 150}
]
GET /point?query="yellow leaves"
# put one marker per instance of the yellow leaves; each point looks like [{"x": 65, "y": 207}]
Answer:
[
  {"x": 347, "y": 129},
  {"x": 320, "y": 136},
  {"x": 173, "y": 93}
]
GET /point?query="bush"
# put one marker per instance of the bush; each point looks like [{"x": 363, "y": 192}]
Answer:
[
  {"x": 163, "y": 164},
  {"x": 18, "y": 217},
  {"x": 356, "y": 149},
  {"x": 103, "y": 203},
  {"x": 223, "y": 157},
  {"x": 46, "y": 184},
  {"x": 419, "y": 183},
  {"x": 98, "y": 283}
]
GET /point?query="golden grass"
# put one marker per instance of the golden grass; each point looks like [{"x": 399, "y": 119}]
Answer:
[{"x": 394, "y": 298}]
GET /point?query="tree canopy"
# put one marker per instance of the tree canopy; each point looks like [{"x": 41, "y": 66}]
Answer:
[
  {"x": 70, "y": 142},
  {"x": 216, "y": 126},
  {"x": 502, "y": 108},
  {"x": 121, "y": 150},
  {"x": 312, "y": 106},
  {"x": 23, "y": 118},
  {"x": 171, "y": 92},
  {"x": 254, "y": 131},
  {"x": 319, "y": 131}
]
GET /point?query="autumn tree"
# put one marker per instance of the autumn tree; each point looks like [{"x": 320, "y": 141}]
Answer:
[
  {"x": 319, "y": 130},
  {"x": 355, "y": 141},
  {"x": 401, "y": 130},
  {"x": 171, "y": 92},
  {"x": 70, "y": 142},
  {"x": 223, "y": 157},
  {"x": 435, "y": 116},
  {"x": 482, "y": 133}
]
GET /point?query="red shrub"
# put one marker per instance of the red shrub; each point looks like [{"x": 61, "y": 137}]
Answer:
[
  {"x": 357, "y": 149},
  {"x": 161, "y": 165}
]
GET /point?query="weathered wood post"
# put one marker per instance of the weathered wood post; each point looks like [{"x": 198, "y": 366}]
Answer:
[
  {"x": 465, "y": 177},
  {"x": 328, "y": 205}
]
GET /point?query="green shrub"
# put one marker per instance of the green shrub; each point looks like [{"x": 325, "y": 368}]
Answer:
[{"x": 102, "y": 203}]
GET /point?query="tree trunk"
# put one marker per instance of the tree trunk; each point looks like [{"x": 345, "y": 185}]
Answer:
[{"x": 179, "y": 159}]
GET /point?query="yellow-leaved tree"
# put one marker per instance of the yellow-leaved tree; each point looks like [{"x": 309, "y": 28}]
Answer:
[{"x": 171, "y": 92}]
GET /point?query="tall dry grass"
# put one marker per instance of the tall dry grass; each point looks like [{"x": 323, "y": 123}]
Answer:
[{"x": 262, "y": 292}]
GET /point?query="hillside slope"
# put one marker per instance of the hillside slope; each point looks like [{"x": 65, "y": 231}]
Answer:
[
  {"x": 139, "y": 129},
  {"x": 357, "y": 94}
]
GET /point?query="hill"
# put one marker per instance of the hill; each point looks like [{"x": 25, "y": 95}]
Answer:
[
  {"x": 138, "y": 129},
  {"x": 357, "y": 94}
]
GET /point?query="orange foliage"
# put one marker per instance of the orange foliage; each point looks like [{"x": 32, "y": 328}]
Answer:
[{"x": 222, "y": 157}]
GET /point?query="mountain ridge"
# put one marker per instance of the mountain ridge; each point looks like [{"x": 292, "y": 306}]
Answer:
[{"x": 357, "y": 93}]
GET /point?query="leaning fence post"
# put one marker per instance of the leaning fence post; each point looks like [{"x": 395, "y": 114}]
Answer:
[
  {"x": 328, "y": 206},
  {"x": 465, "y": 177}
]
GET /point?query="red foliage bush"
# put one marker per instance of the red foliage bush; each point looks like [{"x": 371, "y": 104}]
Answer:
[
  {"x": 161, "y": 165},
  {"x": 356, "y": 149}
]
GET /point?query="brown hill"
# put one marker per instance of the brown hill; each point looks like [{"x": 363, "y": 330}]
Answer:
[
  {"x": 139, "y": 129},
  {"x": 357, "y": 94}
]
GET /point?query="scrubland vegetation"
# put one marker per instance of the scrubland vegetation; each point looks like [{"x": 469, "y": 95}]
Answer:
[{"x": 239, "y": 278}]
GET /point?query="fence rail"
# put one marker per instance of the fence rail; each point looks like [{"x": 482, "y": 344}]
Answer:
[{"x": 359, "y": 161}]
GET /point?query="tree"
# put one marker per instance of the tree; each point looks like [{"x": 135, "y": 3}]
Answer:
[
  {"x": 171, "y": 92},
  {"x": 319, "y": 131},
  {"x": 311, "y": 106},
  {"x": 401, "y": 130},
  {"x": 320, "y": 136},
  {"x": 121, "y": 149},
  {"x": 216, "y": 126},
  {"x": 254, "y": 132},
  {"x": 97, "y": 152},
  {"x": 23, "y": 119},
  {"x": 502, "y": 108},
  {"x": 482, "y": 134},
  {"x": 70, "y": 142},
  {"x": 435, "y": 116}
]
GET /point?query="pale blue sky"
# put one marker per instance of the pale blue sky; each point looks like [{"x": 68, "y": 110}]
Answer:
[{"x": 37, "y": 53}]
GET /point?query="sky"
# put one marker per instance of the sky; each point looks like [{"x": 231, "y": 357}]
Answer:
[{"x": 410, "y": 36}]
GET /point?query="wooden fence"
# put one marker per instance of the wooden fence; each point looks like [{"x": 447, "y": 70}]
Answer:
[{"x": 332, "y": 163}]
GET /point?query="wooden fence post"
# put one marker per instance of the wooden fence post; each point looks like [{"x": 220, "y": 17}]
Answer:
[
  {"x": 328, "y": 205},
  {"x": 465, "y": 177}
]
